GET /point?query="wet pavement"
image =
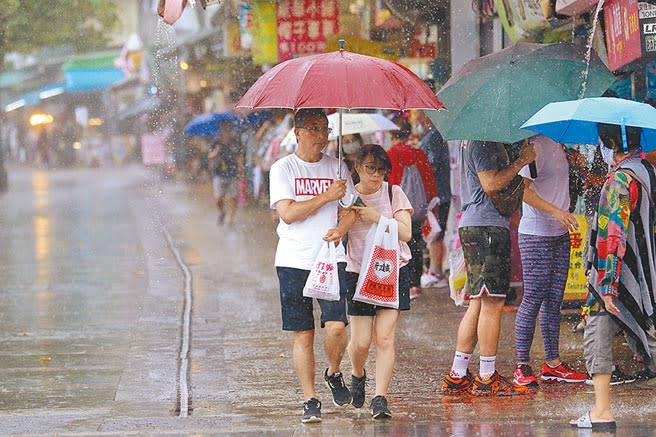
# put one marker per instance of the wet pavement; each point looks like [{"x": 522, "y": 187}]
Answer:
[{"x": 97, "y": 267}]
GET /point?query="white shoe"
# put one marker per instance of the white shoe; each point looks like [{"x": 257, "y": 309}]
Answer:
[
  {"x": 429, "y": 279},
  {"x": 443, "y": 282}
]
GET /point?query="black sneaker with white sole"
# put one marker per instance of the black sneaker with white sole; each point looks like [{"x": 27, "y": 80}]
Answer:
[
  {"x": 616, "y": 378},
  {"x": 311, "y": 411},
  {"x": 358, "y": 390},
  {"x": 379, "y": 408},
  {"x": 335, "y": 382}
]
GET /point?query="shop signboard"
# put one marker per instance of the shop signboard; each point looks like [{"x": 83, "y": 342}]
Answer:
[
  {"x": 524, "y": 20},
  {"x": 647, "y": 17},
  {"x": 304, "y": 25},
  {"x": 245, "y": 26},
  {"x": 621, "y": 20},
  {"x": 265, "y": 40},
  {"x": 575, "y": 288}
]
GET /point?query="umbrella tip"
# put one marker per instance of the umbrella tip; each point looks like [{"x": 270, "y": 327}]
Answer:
[{"x": 341, "y": 44}]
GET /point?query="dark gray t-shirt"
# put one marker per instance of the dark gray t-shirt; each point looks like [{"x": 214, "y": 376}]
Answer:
[{"x": 477, "y": 208}]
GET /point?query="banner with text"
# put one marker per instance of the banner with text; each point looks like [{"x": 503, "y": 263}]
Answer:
[{"x": 304, "y": 25}]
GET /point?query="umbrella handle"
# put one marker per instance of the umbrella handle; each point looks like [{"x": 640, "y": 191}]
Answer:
[{"x": 533, "y": 169}]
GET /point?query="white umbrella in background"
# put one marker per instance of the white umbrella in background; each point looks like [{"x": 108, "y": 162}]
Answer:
[{"x": 352, "y": 123}]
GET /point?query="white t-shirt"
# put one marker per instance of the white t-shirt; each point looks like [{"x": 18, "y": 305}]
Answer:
[
  {"x": 298, "y": 180},
  {"x": 552, "y": 184}
]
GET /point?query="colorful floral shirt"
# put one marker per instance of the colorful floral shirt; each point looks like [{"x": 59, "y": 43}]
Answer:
[{"x": 618, "y": 198}]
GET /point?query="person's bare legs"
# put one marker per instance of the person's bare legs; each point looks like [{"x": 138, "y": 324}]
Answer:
[
  {"x": 303, "y": 356},
  {"x": 358, "y": 347},
  {"x": 336, "y": 341},
  {"x": 384, "y": 333},
  {"x": 489, "y": 325},
  {"x": 220, "y": 207},
  {"x": 436, "y": 255},
  {"x": 601, "y": 411},
  {"x": 468, "y": 328},
  {"x": 230, "y": 209}
]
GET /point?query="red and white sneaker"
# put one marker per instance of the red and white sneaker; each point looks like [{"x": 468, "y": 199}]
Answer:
[
  {"x": 524, "y": 376},
  {"x": 562, "y": 373}
]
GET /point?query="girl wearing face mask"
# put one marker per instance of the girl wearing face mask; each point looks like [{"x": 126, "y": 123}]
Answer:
[{"x": 622, "y": 269}]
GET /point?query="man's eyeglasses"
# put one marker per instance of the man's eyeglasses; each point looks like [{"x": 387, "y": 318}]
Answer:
[
  {"x": 317, "y": 129},
  {"x": 371, "y": 169}
]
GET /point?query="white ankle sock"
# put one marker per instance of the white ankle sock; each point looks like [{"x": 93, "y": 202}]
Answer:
[
  {"x": 488, "y": 366},
  {"x": 460, "y": 364}
]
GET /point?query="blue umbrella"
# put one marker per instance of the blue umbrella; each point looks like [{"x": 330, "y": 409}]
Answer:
[
  {"x": 208, "y": 125},
  {"x": 255, "y": 119},
  {"x": 575, "y": 121}
]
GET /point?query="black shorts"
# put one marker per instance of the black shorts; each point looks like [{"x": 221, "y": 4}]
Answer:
[
  {"x": 357, "y": 308},
  {"x": 442, "y": 219},
  {"x": 487, "y": 255},
  {"x": 297, "y": 310}
]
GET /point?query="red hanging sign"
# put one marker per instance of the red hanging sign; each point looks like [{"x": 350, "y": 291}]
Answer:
[
  {"x": 304, "y": 25},
  {"x": 622, "y": 32}
]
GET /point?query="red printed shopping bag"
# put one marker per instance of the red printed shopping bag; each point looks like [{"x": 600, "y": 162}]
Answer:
[
  {"x": 323, "y": 281},
  {"x": 378, "y": 283},
  {"x": 431, "y": 228}
]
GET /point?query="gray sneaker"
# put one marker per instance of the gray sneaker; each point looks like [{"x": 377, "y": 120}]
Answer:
[
  {"x": 358, "y": 390},
  {"x": 341, "y": 394},
  {"x": 379, "y": 408},
  {"x": 311, "y": 411}
]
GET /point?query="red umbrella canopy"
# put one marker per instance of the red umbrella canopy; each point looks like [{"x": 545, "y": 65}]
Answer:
[{"x": 341, "y": 80}]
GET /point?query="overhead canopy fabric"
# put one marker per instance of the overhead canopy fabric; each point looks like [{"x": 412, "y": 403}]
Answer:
[
  {"x": 142, "y": 106},
  {"x": 94, "y": 73},
  {"x": 89, "y": 80}
]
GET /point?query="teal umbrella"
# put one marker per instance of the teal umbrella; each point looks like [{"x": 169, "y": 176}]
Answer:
[{"x": 490, "y": 97}]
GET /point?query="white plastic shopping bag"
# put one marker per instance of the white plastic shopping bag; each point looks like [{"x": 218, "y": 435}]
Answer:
[
  {"x": 431, "y": 228},
  {"x": 378, "y": 283},
  {"x": 457, "y": 276},
  {"x": 323, "y": 281}
]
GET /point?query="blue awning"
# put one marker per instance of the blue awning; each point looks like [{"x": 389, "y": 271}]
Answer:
[
  {"x": 34, "y": 97},
  {"x": 89, "y": 80}
]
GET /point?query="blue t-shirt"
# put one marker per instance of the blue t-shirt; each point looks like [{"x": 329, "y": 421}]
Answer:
[{"x": 477, "y": 207}]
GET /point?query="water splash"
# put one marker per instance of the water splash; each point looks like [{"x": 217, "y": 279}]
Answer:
[{"x": 586, "y": 72}]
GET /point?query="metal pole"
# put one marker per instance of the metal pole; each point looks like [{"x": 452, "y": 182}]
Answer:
[{"x": 339, "y": 145}]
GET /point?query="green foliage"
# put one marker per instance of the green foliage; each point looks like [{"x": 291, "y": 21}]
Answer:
[{"x": 29, "y": 25}]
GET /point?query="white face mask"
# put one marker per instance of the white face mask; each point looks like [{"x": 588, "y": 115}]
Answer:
[
  {"x": 608, "y": 155},
  {"x": 420, "y": 129},
  {"x": 352, "y": 147}
]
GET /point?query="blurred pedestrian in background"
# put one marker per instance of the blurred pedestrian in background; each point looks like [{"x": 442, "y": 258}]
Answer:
[
  {"x": 413, "y": 172},
  {"x": 227, "y": 159},
  {"x": 437, "y": 151}
]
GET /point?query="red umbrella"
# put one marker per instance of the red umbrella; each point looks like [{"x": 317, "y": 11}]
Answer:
[{"x": 342, "y": 80}]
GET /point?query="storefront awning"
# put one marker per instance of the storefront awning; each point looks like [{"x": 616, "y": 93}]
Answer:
[
  {"x": 36, "y": 96},
  {"x": 92, "y": 73},
  {"x": 142, "y": 106},
  {"x": 89, "y": 80}
]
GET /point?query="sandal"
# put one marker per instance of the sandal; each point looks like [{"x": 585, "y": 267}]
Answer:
[{"x": 584, "y": 422}]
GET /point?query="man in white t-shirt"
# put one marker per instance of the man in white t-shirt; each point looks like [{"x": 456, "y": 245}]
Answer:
[{"x": 305, "y": 191}]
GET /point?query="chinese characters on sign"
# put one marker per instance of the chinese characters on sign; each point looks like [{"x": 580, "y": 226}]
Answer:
[
  {"x": 304, "y": 25},
  {"x": 575, "y": 289},
  {"x": 647, "y": 15},
  {"x": 622, "y": 32}
]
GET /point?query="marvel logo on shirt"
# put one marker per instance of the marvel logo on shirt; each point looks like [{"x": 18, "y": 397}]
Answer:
[{"x": 311, "y": 186}]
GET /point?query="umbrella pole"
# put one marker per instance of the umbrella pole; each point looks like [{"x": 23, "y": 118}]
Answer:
[{"x": 339, "y": 146}]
